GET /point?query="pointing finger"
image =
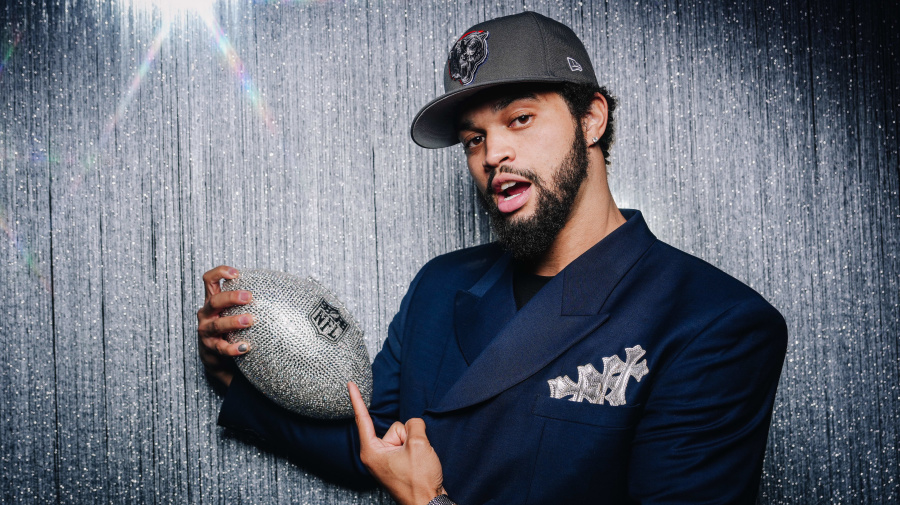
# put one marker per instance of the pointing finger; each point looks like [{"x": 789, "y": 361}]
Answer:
[{"x": 361, "y": 413}]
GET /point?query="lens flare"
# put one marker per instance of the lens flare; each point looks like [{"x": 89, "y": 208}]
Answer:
[
  {"x": 226, "y": 50},
  {"x": 231, "y": 57},
  {"x": 10, "y": 49},
  {"x": 136, "y": 81},
  {"x": 88, "y": 162}
]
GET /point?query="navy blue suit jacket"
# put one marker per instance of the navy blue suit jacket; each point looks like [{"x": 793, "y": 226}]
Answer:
[{"x": 693, "y": 429}]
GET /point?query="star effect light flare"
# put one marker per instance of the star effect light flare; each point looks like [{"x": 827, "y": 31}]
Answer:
[
  {"x": 236, "y": 64},
  {"x": 89, "y": 162},
  {"x": 226, "y": 50},
  {"x": 136, "y": 81}
]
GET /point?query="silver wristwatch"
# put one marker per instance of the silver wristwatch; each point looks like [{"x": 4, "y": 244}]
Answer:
[{"x": 441, "y": 499}]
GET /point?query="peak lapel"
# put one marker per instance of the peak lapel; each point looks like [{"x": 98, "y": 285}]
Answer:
[
  {"x": 480, "y": 314},
  {"x": 534, "y": 337},
  {"x": 566, "y": 310}
]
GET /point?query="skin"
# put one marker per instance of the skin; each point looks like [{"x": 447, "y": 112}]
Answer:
[
  {"x": 532, "y": 132},
  {"x": 536, "y": 133},
  {"x": 215, "y": 351},
  {"x": 403, "y": 460}
]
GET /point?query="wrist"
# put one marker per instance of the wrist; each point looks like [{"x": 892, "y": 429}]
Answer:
[
  {"x": 219, "y": 376},
  {"x": 441, "y": 499},
  {"x": 225, "y": 377}
]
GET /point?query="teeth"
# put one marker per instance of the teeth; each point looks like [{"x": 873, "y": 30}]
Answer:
[
  {"x": 507, "y": 185},
  {"x": 511, "y": 197}
]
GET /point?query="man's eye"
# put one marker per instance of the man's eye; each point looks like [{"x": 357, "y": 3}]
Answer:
[
  {"x": 521, "y": 120},
  {"x": 473, "y": 142}
]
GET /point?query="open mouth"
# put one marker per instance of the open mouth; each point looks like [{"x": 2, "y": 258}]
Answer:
[
  {"x": 512, "y": 195},
  {"x": 513, "y": 189}
]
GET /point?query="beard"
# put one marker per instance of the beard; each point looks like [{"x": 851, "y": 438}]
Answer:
[{"x": 528, "y": 239}]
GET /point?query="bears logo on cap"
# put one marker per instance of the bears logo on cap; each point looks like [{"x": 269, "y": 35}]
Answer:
[{"x": 466, "y": 55}]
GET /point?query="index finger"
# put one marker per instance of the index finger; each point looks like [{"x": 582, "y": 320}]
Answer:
[
  {"x": 361, "y": 413},
  {"x": 212, "y": 277}
]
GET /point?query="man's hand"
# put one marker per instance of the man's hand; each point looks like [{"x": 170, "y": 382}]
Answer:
[
  {"x": 403, "y": 461},
  {"x": 215, "y": 351}
]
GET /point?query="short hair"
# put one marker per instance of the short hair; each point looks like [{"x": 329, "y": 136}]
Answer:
[{"x": 578, "y": 97}]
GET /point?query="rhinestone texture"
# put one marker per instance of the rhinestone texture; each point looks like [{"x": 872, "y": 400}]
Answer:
[
  {"x": 305, "y": 345},
  {"x": 142, "y": 143}
]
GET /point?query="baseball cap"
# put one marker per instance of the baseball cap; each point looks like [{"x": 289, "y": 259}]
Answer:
[{"x": 525, "y": 47}]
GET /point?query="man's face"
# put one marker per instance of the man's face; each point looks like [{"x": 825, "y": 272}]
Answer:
[{"x": 529, "y": 159}]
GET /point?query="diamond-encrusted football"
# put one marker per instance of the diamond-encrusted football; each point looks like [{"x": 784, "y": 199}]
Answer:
[{"x": 304, "y": 345}]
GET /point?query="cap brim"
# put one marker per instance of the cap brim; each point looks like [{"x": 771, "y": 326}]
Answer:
[{"x": 435, "y": 125}]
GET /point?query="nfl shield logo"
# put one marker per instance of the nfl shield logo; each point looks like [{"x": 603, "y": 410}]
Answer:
[{"x": 327, "y": 321}]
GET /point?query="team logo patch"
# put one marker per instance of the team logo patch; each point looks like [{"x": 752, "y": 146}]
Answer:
[
  {"x": 467, "y": 54},
  {"x": 327, "y": 321}
]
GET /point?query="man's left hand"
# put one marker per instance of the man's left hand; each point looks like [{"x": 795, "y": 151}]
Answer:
[{"x": 403, "y": 461}]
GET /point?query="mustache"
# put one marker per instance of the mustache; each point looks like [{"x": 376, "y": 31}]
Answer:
[{"x": 528, "y": 174}]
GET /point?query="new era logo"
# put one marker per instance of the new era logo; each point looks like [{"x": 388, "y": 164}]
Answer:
[{"x": 573, "y": 65}]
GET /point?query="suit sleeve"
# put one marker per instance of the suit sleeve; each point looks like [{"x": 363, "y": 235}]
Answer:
[
  {"x": 704, "y": 428},
  {"x": 329, "y": 449}
]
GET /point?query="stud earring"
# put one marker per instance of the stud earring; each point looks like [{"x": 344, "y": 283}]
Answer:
[{"x": 594, "y": 140}]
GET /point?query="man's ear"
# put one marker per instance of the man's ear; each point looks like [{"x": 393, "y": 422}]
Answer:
[{"x": 594, "y": 122}]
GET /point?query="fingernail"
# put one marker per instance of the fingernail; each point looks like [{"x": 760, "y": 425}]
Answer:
[
  {"x": 233, "y": 271},
  {"x": 244, "y": 296},
  {"x": 245, "y": 320},
  {"x": 242, "y": 348}
]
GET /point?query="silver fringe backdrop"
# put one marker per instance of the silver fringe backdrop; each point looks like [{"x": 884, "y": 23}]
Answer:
[{"x": 141, "y": 145}]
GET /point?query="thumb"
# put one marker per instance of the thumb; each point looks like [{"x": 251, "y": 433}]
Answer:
[{"x": 415, "y": 431}]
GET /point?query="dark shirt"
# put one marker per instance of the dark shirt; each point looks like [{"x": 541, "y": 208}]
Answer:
[{"x": 526, "y": 285}]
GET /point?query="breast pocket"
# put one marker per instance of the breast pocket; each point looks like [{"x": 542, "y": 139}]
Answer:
[
  {"x": 583, "y": 451},
  {"x": 606, "y": 416}
]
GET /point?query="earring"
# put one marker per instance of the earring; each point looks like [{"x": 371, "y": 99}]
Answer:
[{"x": 594, "y": 140}]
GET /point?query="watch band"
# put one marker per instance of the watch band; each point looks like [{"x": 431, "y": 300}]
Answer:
[{"x": 441, "y": 499}]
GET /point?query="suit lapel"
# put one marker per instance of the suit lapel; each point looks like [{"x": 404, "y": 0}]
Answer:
[
  {"x": 484, "y": 309},
  {"x": 478, "y": 320},
  {"x": 533, "y": 338},
  {"x": 503, "y": 347}
]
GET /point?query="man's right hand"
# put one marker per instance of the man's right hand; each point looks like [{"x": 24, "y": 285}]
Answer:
[{"x": 215, "y": 351}]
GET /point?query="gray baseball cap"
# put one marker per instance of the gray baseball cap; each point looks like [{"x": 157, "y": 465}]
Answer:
[{"x": 526, "y": 47}]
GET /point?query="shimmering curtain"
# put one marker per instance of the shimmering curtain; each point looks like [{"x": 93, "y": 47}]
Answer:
[{"x": 140, "y": 146}]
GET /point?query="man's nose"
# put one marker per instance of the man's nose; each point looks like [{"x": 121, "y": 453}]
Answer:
[{"x": 498, "y": 150}]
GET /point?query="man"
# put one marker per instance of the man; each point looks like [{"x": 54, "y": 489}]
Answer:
[{"x": 581, "y": 360}]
